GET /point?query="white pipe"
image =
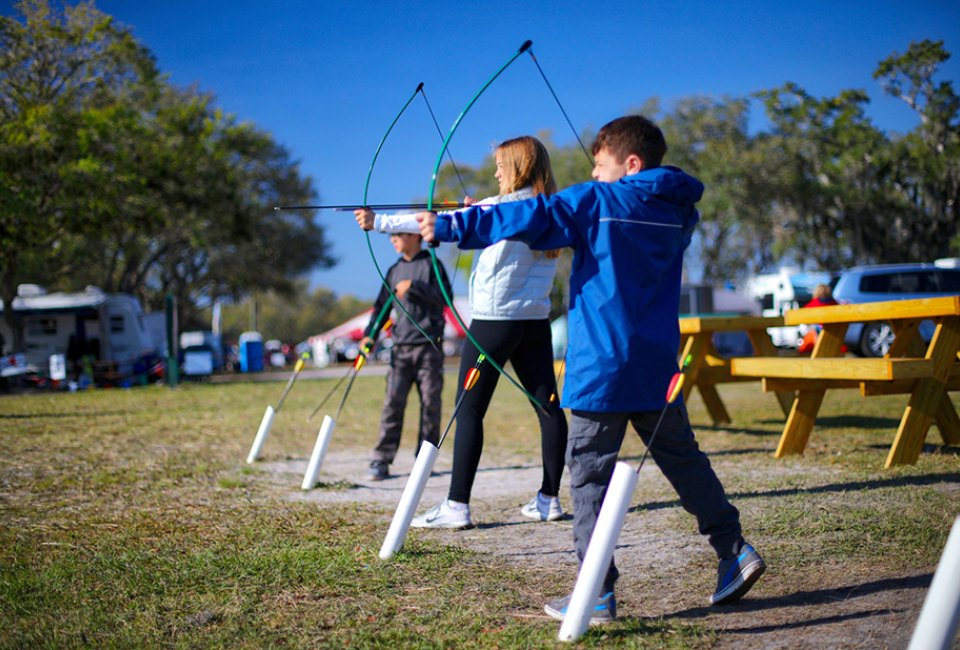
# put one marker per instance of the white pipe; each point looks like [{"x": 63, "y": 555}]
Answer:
[
  {"x": 409, "y": 500},
  {"x": 319, "y": 450},
  {"x": 937, "y": 625},
  {"x": 596, "y": 561},
  {"x": 262, "y": 434}
]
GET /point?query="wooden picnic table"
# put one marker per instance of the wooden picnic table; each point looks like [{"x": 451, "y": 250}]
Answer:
[
  {"x": 927, "y": 372},
  {"x": 707, "y": 368}
]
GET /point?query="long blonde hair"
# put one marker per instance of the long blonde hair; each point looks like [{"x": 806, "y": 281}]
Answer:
[{"x": 526, "y": 163}]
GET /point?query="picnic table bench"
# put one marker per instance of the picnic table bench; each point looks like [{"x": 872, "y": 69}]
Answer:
[
  {"x": 707, "y": 368},
  {"x": 926, "y": 372}
]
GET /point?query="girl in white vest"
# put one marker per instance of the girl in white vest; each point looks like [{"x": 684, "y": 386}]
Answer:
[{"x": 510, "y": 305}]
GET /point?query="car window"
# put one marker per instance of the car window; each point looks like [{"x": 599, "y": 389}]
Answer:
[
  {"x": 901, "y": 282},
  {"x": 950, "y": 281}
]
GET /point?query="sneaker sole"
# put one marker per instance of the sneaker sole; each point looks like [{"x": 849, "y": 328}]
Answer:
[
  {"x": 466, "y": 526},
  {"x": 539, "y": 517},
  {"x": 559, "y": 615},
  {"x": 738, "y": 590}
]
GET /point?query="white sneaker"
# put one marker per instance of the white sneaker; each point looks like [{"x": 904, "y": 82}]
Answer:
[
  {"x": 543, "y": 508},
  {"x": 444, "y": 515}
]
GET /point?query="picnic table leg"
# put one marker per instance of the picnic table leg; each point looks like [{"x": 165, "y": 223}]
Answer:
[
  {"x": 715, "y": 406},
  {"x": 695, "y": 346},
  {"x": 763, "y": 347},
  {"x": 925, "y": 401},
  {"x": 803, "y": 412},
  {"x": 947, "y": 421},
  {"x": 915, "y": 423}
]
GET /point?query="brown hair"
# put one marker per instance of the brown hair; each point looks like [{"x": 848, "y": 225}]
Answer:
[
  {"x": 822, "y": 292},
  {"x": 632, "y": 134},
  {"x": 526, "y": 163}
]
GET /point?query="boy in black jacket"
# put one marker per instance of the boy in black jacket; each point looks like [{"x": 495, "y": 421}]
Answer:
[{"x": 413, "y": 360}]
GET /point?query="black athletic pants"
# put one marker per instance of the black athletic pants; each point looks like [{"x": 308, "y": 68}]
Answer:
[{"x": 527, "y": 345}]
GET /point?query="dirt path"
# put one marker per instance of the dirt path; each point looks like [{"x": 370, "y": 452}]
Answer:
[{"x": 665, "y": 573}]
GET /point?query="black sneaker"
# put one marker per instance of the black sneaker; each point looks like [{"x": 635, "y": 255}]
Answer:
[
  {"x": 379, "y": 470},
  {"x": 736, "y": 575},
  {"x": 605, "y": 611}
]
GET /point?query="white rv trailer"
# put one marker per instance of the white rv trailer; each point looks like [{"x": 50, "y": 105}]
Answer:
[{"x": 108, "y": 326}]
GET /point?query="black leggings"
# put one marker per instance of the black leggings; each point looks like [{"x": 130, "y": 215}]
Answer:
[{"x": 527, "y": 345}]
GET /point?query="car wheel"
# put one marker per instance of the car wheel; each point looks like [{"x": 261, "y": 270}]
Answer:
[{"x": 876, "y": 339}]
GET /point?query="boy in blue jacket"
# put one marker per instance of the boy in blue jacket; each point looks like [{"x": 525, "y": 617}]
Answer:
[{"x": 628, "y": 232}]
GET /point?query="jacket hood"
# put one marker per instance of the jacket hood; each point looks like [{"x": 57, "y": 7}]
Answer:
[{"x": 667, "y": 183}]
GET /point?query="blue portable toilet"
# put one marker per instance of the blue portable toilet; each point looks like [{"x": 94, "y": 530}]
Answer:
[{"x": 251, "y": 352}]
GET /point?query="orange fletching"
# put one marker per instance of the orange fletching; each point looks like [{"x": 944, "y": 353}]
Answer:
[
  {"x": 676, "y": 385},
  {"x": 471, "y": 379}
]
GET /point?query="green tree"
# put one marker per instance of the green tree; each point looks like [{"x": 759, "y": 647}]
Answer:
[
  {"x": 833, "y": 190},
  {"x": 926, "y": 161},
  {"x": 65, "y": 76}
]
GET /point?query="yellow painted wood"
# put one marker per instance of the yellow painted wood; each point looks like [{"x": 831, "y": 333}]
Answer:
[
  {"x": 842, "y": 368},
  {"x": 764, "y": 347},
  {"x": 715, "y": 406},
  {"x": 803, "y": 413},
  {"x": 772, "y": 384},
  {"x": 948, "y": 422},
  {"x": 925, "y": 400},
  {"x": 698, "y": 324},
  {"x": 872, "y": 311}
]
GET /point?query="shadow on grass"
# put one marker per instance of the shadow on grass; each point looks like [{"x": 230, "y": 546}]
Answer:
[
  {"x": 928, "y": 448},
  {"x": 899, "y": 481},
  {"x": 45, "y": 416},
  {"x": 857, "y": 422},
  {"x": 730, "y": 428},
  {"x": 830, "y": 596}
]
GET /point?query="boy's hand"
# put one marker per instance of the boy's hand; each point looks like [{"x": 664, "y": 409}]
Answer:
[
  {"x": 428, "y": 223},
  {"x": 366, "y": 343},
  {"x": 365, "y": 217},
  {"x": 401, "y": 288},
  {"x": 469, "y": 200}
]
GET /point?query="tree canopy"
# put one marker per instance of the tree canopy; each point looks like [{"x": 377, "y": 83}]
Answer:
[{"x": 111, "y": 176}]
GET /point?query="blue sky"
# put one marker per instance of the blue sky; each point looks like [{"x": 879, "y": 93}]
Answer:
[{"x": 327, "y": 78}]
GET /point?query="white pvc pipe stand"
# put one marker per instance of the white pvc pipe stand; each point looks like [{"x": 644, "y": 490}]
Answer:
[
  {"x": 319, "y": 450},
  {"x": 596, "y": 561},
  {"x": 937, "y": 625},
  {"x": 409, "y": 500},
  {"x": 262, "y": 434}
]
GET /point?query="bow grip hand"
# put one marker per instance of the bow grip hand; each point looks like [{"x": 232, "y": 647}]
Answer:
[{"x": 428, "y": 226}]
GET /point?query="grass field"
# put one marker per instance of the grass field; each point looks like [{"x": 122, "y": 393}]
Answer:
[{"x": 128, "y": 518}]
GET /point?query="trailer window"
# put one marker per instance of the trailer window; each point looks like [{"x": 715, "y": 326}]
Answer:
[
  {"x": 116, "y": 324},
  {"x": 42, "y": 327}
]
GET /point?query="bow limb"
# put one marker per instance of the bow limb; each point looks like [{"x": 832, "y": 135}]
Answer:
[
  {"x": 433, "y": 252},
  {"x": 366, "y": 188}
]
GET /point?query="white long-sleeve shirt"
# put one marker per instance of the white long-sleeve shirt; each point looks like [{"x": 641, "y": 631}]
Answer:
[{"x": 509, "y": 281}]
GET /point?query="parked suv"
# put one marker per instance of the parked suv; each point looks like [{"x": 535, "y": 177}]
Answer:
[{"x": 892, "y": 282}]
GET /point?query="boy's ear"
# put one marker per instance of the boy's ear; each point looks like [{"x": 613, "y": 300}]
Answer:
[{"x": 634, "y": 164}]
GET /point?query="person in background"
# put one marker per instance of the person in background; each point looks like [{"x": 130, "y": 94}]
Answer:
[
  {"x": 413, "y": 360},
  {"x": 822, "y": 297}
]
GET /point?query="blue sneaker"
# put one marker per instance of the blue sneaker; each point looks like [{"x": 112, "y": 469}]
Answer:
[
  {"x": 605, "y": 611},
  {"x": 736, "y": 575}
]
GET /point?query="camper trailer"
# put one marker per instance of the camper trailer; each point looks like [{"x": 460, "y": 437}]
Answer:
[
  {"x": 108, "y": 327},
  {"x": 789, "y": 288}
]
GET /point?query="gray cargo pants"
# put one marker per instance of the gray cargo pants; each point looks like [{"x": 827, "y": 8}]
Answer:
[
  {"x": 592, "y": 449},
  {"x": 410, "y": 365}
]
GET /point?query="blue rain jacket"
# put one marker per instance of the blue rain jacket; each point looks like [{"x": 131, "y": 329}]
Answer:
[{"x": 628, "y": 239}]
